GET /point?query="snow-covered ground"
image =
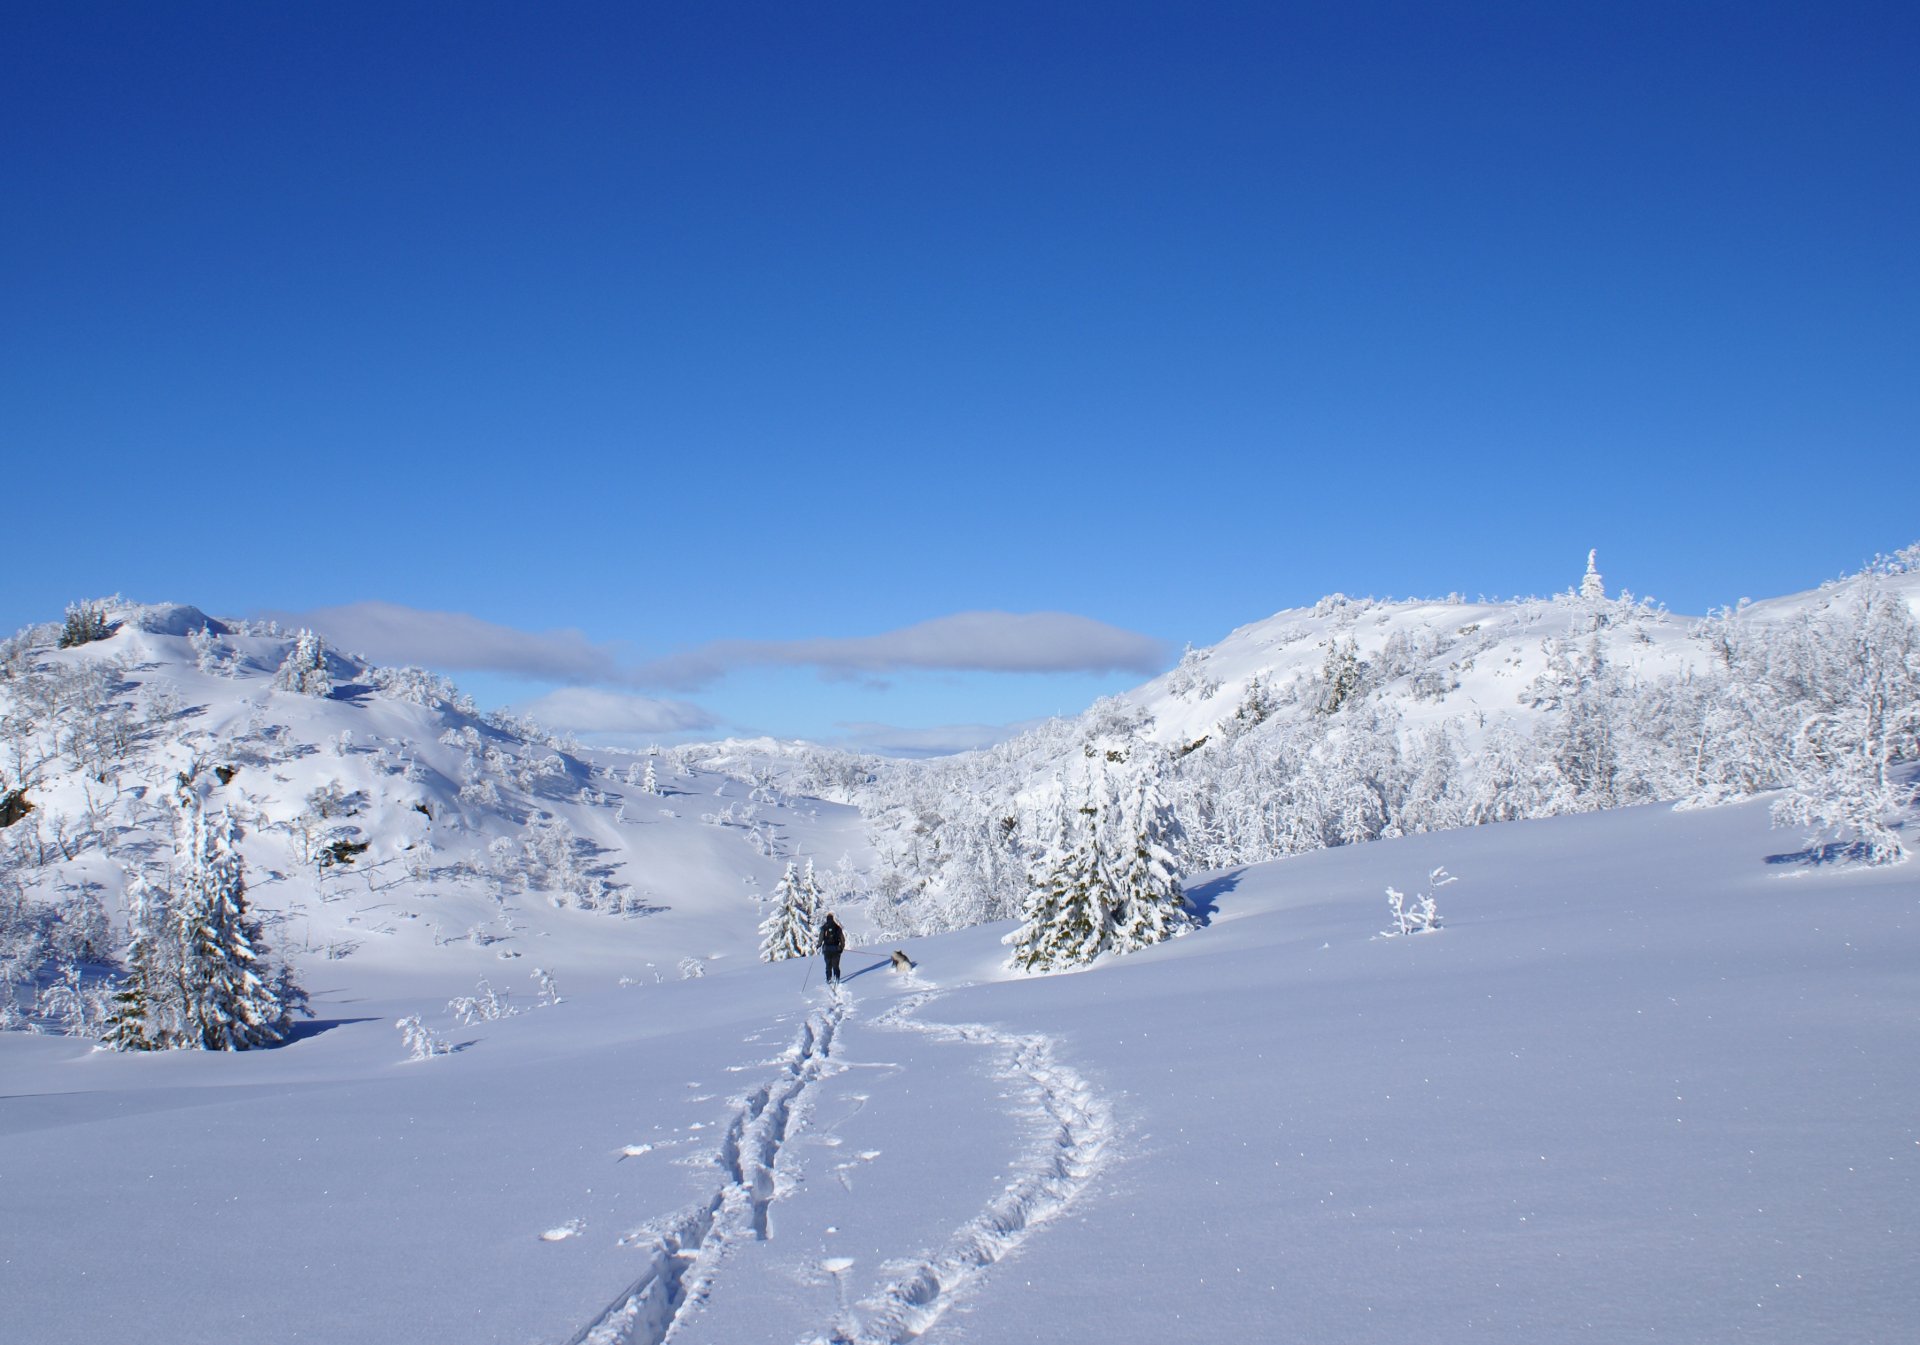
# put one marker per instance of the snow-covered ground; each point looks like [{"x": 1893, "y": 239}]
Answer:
[{"x": 1649, "y": 1081}]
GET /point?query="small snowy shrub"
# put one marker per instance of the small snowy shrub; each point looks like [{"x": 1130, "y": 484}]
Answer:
[
  {"x": 1421, "y": 915},
  {"x": 549, "y": 993},
  {"x": 484, "y": 1006},
  {"x": 420, "y": 1042}
]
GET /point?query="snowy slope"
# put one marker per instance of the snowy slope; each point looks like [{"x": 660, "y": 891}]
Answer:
[{"x": 1646, "y": 1082}]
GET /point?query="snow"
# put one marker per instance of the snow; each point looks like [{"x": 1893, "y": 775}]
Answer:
[
  {"x": 1651, "y": 1077},
  {"x": 1645, "y": 1082}
]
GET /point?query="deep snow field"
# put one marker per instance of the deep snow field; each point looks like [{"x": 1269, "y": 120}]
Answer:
[{"x": 1649, "y": 1082}]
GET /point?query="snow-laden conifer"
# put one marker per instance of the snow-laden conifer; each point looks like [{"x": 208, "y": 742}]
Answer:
[
  {"x": 147, "y": 1010},
  {"x": 305, "y": 668},
  {"x": 1591, "y": 584},
  {"x": 199, "y": 975},
  {"x": 1107, "y": 882},
  {"x": 1149, "y": 906},
  {"x": 788, "y": 929}
]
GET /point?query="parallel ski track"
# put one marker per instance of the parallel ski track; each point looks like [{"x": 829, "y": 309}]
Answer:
[
  {"x": 1072, "y": 1147},
  {"x": 685, "y": 1252}
]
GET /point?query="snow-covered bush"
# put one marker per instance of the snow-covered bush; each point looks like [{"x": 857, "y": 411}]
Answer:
[
  {"x": 421, "y": 1044},
  {"x": 1421, "y": 915},
  {"x": 485, "y": 1005}
]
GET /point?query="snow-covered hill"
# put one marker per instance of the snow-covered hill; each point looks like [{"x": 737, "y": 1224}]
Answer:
[
  {"x": 1355, "y": 720},
  {"x": 387, "y": 823}
]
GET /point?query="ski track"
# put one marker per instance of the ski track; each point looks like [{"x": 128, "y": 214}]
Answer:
[
  {"x": 684, "y": 1253},
  {"x": 1074, "y": 1144}
]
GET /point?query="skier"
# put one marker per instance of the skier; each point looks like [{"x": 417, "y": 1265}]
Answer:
[{"x": 833, "y": 941}]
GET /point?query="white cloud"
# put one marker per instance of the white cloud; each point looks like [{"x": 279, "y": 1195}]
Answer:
[
  {"x": 591, "y": 710},
  {"x": 965, "y": 642}
]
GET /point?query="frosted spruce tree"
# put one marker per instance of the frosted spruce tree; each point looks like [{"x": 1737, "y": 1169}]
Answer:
[
  {"x": 305, "y": 668},
  {"x": 1107, "y": 881},
  {"x": 788, "y": 929},
  {"x": 1062, "y": 922},
  {"x": 199, "y": 975},
  {"x": 1149, "y": 906},
  {"x": 1591, "y": 585},
  {"x": 147, "y": 1008}
]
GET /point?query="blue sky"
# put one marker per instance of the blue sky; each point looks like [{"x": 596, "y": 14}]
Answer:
[{"x": 757, "y": 345}]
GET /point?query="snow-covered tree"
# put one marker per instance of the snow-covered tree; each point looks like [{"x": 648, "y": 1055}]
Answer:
[
  {"x": 1591, "y": 584},
  {"x": 1107, "y": 881},
  {"x": 148, "y": 1013},
  {"x": 199, "y": 974},
  {"x": 305, "y": 668},
  {"x": 1861, "y": 725},
  {"x": 650, "y": 782},
  {"x": 788, "y": 929},
  {"x": 86, "y": 622},
  {"x": 1148, "y": 904},
  {"x": 1064, "y": 917},
  {"x": 1340, "y": 675}
]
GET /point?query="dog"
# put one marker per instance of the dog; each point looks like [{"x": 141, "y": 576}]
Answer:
[{"x": 901, "y": 962}]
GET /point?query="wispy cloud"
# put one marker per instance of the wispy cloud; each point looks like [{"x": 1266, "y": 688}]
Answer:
[
  {"x": 1011, "y": 642},
  {"x": 1024, "y": 642},
  {"x": 592, "y": 710},
  {"x": 454, "y": 641},
  {"x": 941, "y": 740}
]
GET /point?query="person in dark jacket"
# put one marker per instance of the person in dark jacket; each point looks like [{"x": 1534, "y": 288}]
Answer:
[{"x": 833, "y": 942}]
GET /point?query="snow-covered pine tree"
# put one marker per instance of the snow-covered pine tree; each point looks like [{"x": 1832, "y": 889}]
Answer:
[
  {"x": 236, "y": 997},
  {"x": 788, "y": 929},
  {"x": 1148, "y": 905},
  {"x": 650, "y": 783},
  {"x": 305, "y": 668},
  {"x": 1063, "y": 920},
  {"x": 146, "y": 1014},
  {"x": 1340, "y": 674},
  {"x": 86, "y": 622},
  {"x": 1591, "y": 585},
  {"x": 1107, "y": 881},
  {"x": 198, "y": 972}
]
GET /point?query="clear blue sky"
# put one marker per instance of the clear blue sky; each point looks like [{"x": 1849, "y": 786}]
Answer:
[{"x": 784, "y": 323}]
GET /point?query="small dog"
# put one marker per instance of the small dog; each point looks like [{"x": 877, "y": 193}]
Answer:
[{"x": 901, "y": 962}]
